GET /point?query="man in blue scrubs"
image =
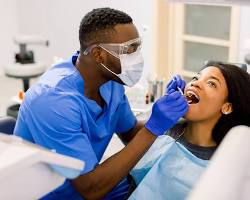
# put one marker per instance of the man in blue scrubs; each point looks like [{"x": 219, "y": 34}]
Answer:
[{"x": 78, "y": 104}]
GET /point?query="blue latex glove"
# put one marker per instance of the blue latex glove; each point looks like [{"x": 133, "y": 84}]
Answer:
[
  {"x": 166, "y": 112},
  {"x": 176, "y": 81}
]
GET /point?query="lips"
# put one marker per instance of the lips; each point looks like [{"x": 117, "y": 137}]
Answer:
[{"x": 192, "y": 97}]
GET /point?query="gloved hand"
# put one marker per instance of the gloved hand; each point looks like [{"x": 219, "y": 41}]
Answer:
[
  {"x": 166, "y": 112},
  {"x": 176, "y": 81}
]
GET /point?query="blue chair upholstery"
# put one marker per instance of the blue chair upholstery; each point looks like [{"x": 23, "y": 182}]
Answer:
[{"x": 7, "y": 125}]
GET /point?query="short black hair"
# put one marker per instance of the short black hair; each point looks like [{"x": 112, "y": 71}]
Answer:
[
  {"x": 238, "y": 84},
  {"x": 96, "y": 25}
]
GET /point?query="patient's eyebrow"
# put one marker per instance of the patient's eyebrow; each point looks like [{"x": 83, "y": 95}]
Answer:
[
  {"x": 210, "y": 77},
  {"x": 215, "y": 78}
]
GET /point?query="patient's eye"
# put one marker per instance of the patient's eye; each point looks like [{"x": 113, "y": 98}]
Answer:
[{"x": 212, "y": 84}]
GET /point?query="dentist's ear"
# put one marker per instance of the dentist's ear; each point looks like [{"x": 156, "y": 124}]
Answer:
[
  {"x": 96, "y": 53},
  {"x": 227, "y": 108}
]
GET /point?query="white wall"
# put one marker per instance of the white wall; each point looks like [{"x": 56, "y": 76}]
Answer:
[
  {"x": 8, "y": 22},
  {"x": 59, "y": 20}
]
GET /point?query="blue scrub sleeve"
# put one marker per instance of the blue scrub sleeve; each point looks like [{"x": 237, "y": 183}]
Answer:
[
  {"x": 55, "y": 122},
  {"x": 127, "y": 119}
]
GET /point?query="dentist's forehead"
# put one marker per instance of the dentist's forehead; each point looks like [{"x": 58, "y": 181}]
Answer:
[{"x": 124, "y": 33}]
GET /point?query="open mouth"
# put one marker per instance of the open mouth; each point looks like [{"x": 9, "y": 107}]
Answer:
[{"x": 192, "y": 98}]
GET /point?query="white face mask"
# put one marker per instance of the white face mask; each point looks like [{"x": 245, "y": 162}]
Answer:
[{"x": 131, "y": 68}]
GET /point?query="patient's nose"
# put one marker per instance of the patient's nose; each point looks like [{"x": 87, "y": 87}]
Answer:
[{"x": 196, "y": 84}]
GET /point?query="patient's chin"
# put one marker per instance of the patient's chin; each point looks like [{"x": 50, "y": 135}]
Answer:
[
  {"x": 187, "y": 115},
  {"x": 191, "y": 118}
]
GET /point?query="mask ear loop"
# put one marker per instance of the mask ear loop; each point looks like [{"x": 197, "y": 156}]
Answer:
[
  {"x": 109, "y": 69},
  {"x": 111, "y": 53}
]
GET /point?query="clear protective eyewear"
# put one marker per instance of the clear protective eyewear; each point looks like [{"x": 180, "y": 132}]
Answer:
[{"x": 117, "y": 49}]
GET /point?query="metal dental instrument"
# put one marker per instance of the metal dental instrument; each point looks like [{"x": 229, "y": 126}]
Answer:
[{"x": 180, "y": 91}]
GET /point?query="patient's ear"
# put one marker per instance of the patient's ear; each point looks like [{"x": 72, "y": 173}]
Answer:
[{"x": 227, "y": 108}]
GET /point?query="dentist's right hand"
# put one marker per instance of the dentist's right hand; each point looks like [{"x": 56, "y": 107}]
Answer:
[{"x": 166, "y": 112}]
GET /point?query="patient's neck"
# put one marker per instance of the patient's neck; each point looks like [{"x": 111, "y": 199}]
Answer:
[{"x": 200, "y": 133}]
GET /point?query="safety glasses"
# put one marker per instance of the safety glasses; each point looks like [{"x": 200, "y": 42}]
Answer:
[{"x": 117, "y": 49}]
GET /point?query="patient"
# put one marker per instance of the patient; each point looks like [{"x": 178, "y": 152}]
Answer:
[{"x": 218, "y": 99}]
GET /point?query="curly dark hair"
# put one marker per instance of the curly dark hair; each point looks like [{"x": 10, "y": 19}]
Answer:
[
  {"x": 97, "y": 25},
  {"x": 238, "y": 84}
]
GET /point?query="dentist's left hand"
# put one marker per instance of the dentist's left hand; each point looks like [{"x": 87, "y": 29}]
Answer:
[{"x": 176, "y": 82}]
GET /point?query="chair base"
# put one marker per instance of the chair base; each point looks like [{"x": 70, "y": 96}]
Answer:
[{"x": 13, "y": 110}]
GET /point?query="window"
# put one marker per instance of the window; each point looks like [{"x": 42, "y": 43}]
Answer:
[{"x": 197, "y": 33}]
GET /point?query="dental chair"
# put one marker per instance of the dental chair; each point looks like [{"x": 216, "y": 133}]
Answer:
[
  {"x": 29, "y": 171},
  {"x": 7, "y": 125},
  {"x": 228, "y": 175},
  {"x": 25, "y": 67}
]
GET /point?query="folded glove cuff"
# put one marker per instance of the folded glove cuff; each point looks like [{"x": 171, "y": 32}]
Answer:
[{"x": 153, "y": 127}]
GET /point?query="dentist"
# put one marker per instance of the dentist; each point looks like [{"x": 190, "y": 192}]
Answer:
[{"x": 77, "y": 106}]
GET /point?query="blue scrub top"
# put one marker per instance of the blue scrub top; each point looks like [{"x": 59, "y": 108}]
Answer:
[{"x": 56, "y": 114}]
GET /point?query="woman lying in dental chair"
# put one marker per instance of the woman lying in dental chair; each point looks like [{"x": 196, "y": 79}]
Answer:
[{"x": 218, "y": 99}]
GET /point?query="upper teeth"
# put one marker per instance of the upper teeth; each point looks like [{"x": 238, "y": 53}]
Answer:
[{"x": 192, "y": 93}]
